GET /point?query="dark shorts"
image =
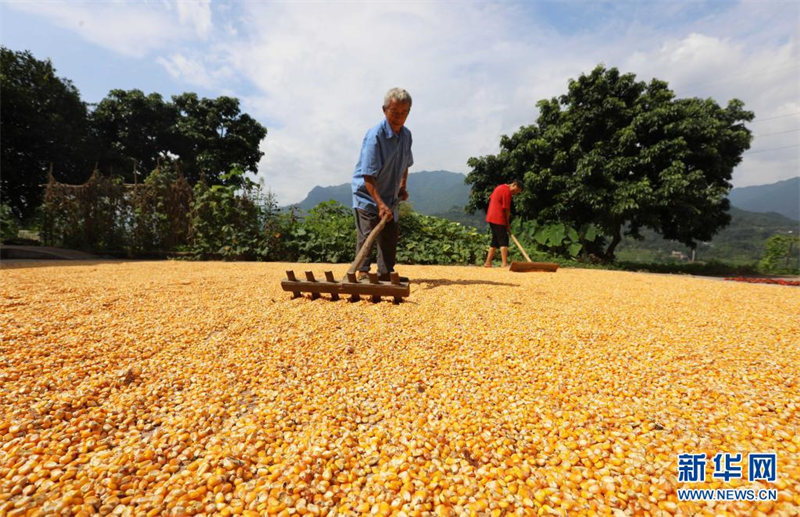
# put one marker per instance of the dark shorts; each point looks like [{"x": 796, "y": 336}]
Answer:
[{"x": 499, "y": 235}]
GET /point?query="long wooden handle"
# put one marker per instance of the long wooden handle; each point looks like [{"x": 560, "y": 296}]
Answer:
[
  {"x": 520, "y": 248},
  {"x": 365, "y": 248}
]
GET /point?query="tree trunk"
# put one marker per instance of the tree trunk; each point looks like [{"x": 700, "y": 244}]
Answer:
[{"x": 608, "y": 256}]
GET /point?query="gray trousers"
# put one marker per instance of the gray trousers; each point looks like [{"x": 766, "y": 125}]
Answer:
[{"x": 386, "y": 241}]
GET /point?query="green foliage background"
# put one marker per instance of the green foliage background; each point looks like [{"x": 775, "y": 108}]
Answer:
[
  {"x": 225, "y": 222},
  {"x": 8, "y": 223},
  {"x": 48, "y": 130},
  {"x": 426, "y": 239},
  {"x": 781, "y": 255},
  {"x": 326, "y": 234}
]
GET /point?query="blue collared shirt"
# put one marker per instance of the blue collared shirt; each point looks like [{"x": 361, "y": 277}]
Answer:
[{"x": 384, "y": 155}]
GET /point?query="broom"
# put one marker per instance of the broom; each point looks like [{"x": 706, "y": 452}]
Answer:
[{"x": 530, "y": 265}]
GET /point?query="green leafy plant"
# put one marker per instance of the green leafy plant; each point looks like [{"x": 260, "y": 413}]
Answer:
[
  {"x": 557, "y": 239},
  {"x": 225, "y": 220},
  {"x": 782, "y": 255},
  {"x": 159, "y": 212},
  {"x": 8, "y": 224},
  {"x": 431, "y": 240},
  {"x": 623, "y": 155},
  {"x": 326, "y": 234}
]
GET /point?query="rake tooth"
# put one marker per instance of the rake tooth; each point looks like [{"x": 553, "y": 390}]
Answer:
[
  {"x": 310, "y": 278},
  {"x": 394, "y": 277},
  {"x": 329, "y": 278},
  {"x": 373, "y": 279},
  {"x": 292, "y": 278}
]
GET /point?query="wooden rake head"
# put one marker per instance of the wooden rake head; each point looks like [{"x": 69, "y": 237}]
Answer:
[{"x": 350, "y": 285}]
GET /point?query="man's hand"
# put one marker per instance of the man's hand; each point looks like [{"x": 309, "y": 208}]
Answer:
[{"x": 384, "y": 211}]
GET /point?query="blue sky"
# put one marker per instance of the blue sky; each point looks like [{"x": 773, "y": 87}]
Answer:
[{"x": 314, "y": 73}]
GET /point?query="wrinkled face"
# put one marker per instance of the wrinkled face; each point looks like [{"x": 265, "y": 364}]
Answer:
[{"x": 396, "y": 114}]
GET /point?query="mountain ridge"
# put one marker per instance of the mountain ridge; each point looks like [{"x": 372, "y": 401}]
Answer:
[
  {"x": 781, "y": 197},
  {"x": 439, "y": 192},
  {"x": 430, "y": 192}
]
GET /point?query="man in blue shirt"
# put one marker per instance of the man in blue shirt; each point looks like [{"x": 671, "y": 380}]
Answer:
[{"x": 379, "y": 179}]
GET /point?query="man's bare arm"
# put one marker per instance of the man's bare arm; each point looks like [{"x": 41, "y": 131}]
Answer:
[{"x": 383, "y": 209}]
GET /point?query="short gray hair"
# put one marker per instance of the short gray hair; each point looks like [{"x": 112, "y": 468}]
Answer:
[{"x": 396, "y": 94}]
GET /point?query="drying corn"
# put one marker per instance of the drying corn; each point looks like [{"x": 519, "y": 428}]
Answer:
[{"x": 173, "y": 388}]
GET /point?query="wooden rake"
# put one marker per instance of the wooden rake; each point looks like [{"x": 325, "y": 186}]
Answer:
[{"x": 350, "y": 285}]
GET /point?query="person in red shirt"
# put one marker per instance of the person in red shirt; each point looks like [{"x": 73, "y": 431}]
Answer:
[{"x": 498, "y": 215}]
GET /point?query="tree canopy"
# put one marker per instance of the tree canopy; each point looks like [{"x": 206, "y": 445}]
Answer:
[
  {"x": 132, "y": 131},
  {"x": 43, "y": 121},
  {"x": 206, "y": 137},
  {"x": 212, "y": 135},
  {"x": 45, "y": 124},
  {"x": 617, "y": 155}
]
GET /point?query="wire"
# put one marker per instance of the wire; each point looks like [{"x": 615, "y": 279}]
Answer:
[
  {"x": 771, "y": 149},
  {"x": 758, "y": 135},
  {"x": 773, "y": 118}
]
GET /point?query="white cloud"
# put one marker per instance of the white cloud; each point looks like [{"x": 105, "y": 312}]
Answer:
[
  {"x": 315, "y": 72},
  {"x": 323, "y": 71},
  {"x": 197, "y": 14},
  {"x": 198, "y": 69},
  {"x": 476, "y": 71},
  {"x": 186, "y": 69},
  {"x": 134, "y": 29}
]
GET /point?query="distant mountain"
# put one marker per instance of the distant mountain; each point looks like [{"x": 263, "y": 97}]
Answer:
[
  {"x": 429, "y": 192},
  {"x": 741, "y": 242},
  {"x": 782, "y": 198},
  {"x": 340, "y": 193}
]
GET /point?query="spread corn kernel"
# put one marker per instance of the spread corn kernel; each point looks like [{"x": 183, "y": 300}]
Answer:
[{"x": 180, "y": 388}]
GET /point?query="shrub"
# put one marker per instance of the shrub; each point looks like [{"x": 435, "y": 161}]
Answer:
[
  {"x": 224, "y": 223},
  {"x": 89, "y": 217},
  {"x": 159, "y": 212},
  {"x": 8, "y": 224},
  {"x": 781, "y": 255},
  {"x": 426, "y": 239},
  {"x": 326, "y": 234}
]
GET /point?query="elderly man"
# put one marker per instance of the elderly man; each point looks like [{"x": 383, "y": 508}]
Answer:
[{"x": 379, "y": 180}]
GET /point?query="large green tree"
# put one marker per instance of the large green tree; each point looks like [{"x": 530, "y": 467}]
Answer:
[
  {"x": 617, "y": 155},
  {"x": 43, "y": 122},
  {"x": 212, "y": 135},
  {"x": 205, "y": 137},
  {"x": 132, "y": 131}
]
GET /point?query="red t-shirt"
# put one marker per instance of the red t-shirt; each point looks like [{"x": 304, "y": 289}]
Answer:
[{"x": 499, "y": 201}]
